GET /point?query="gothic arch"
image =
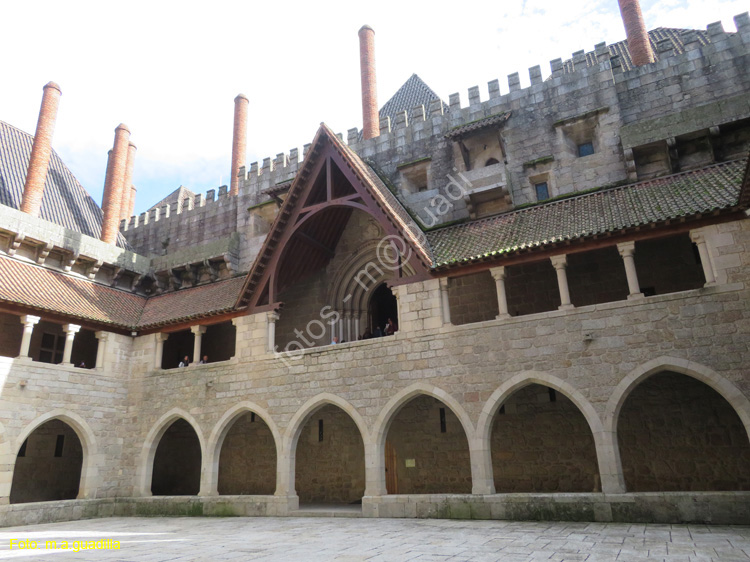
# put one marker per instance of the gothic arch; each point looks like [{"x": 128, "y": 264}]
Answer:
[
  {"x": 89, "y": 468},
  {"x": 146, "y": 468},
  {"x": 219, "y": 433},
  {"x": 298, "y": 421},
  {"x": 720, "y": 384},
  {"x": 519, "y": 381}
]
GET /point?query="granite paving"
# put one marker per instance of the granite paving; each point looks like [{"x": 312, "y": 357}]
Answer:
[{"x": 386, "y": 540}]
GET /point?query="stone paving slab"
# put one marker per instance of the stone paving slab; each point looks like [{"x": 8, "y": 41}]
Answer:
[{"x": 377, "y": 540}]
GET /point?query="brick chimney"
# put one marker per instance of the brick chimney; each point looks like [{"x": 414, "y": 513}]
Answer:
[
  {"x": 133, "y": 191},
  {"x": 127, "y": 183},
  {"x": 239, "y": 141},
  {"x": 639, "y": 44},
  {"x": 113, "y": 185},
  {"x": 36, "y": 174},
  {"x": 370, "y": 115}
]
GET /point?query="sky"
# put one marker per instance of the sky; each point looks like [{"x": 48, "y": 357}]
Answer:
[{"x": 171, "y": 70}]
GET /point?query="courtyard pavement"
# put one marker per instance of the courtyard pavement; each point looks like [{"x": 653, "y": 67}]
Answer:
[{"x": 382, "y": 540}]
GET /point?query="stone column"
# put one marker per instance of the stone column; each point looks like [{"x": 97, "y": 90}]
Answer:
[
  {"x": 341, "y": 327},
  {"x": 374, "y": 469},
  {"x": 101, "y": 348},
  {"x": 560, "y": 263},
  {"x": 627, "y": 249},
  {"x": 482, "y": 481},
  {"x": 445, "y": 304},
  {"x": 198, "y": 332},
  {"x": 357, "y": 333},
  {"x": 160, "y": 339},
  {"x": 348, "y": 322},
  {"x": 498, "y": 274},
  {"x": 70, "y": 334},
  {"x": 708, "y": 270},
  {"x": 271, "y": 318},
  {"x": 28, "y": 322}
]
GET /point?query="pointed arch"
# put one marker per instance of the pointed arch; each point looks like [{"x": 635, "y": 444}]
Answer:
[
  {"x": 298, "y": 422},
  {"x": 719, "y": 383},
  {"x": 609, "y": 478},
  {"x": 145, "y": 469},
  {"x": 222, "y": 428}
]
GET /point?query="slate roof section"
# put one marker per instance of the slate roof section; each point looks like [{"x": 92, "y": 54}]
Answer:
[
  {"x": 675, "y": 36},
  {"x": 205, "y": 300},
  {"x": 462, "y": 131},
  {"x": 412, "y": 93},
  {"x": 177, "y": 196},
  {"x": 65, "y": 202},
  {"x": 686, "y": 194},
  {"x": 45, "y": 290}
]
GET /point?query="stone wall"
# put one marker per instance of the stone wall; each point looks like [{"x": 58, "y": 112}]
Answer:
[
  {"x": 678, "y": 434},
  {"x": 43, "y": 475},
  {"x": 473, "y": 298},
  {"x": 441, "y": 462},
  {"x": 330, "y": 468},
  {"x": 542, "y": 443},
  {"x": 12, "y": 332},
  {"x": 247, "y": 463}
]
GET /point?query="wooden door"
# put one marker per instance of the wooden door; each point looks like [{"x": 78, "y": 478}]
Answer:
[{"x": 391, "y": 478}]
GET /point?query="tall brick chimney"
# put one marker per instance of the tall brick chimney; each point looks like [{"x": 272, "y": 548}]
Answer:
[
  {"x": 635, "y": 29},
  {"x": 36, "y": 174},
  {"x": 113, "y": 185},
  {"x": 370, "y": 116},
  {"x": 127, "y": 182},
  {"x": 133, "y": 191},
  {"x": 239, "y": 141}
]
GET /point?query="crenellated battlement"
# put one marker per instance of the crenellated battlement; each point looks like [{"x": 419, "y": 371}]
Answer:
[{"x": 589, "y": 80}]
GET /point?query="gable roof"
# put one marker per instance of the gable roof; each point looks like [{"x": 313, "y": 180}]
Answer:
[
  {"x": 376, "y": 197},
  {"x": 412, "y": 93},
  {"x": 683, "y": 195},
  {"x": 65, "y": 201},
  {"x": 177, "y": 196}
]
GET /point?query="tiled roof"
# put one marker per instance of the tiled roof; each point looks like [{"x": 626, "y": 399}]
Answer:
[
  {"x": 414, "y": 92},
  {"x": 45, "y": 290},
  {"x": 464, "y": 130},
  {"x": 204, "y": 300},
  {"x": 65, "y": 202},
  {"x": 681, "y": 195},
  {"x": 675, "y": 36}
]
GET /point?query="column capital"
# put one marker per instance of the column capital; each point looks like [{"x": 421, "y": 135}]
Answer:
[
  {"x": 559, "y": 262},
  {"x": 162, "y": 337},
  {"x": 498, "y": 273},
  {"x": 102, "y": 336},
  {"x": 697, "y": 236},
  {"x": 29, "y": 320},
  {"x": 272, "y": 316},
  {"x": 626, "y": 248},
  {"x": 71, "y": 328},
  {"x": 198, "y": 329}
]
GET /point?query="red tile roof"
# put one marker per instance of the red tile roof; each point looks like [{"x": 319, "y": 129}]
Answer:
[{"x": 45, "y": 290}]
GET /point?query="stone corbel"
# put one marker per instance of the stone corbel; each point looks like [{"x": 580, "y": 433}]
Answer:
[
  {"x": 43, "y": 252},
  {"x": 15, "y": 243},
  {"x": 116, "y": 276},
  {"x": 94, "y": 269},
  {"x": 69, "y": 262}
]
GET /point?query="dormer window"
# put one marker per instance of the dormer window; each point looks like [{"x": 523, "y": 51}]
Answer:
[{"x": 542, "y": 191}]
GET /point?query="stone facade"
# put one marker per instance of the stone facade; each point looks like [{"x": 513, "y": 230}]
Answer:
[{"x": 570, "y": 383}]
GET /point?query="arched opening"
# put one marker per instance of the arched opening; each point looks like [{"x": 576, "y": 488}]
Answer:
[
  {"x": 426, "y": 450},
  {"x": 247, "y": 463},
  {"x": 382, "y": 308},
  {"x": 330, "y": 459},
  {"x": 48, "y": 465},
  {"x": 541, "y": 442},
  {"x": 177, "y": 462},
  {"x": 676, "y": 433}
]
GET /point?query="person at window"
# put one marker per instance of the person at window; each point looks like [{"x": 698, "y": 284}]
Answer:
[
  {"x": 367, "y": 335},
  {"x": 204, "y": 360},
  {"x": 335, "y": 340},
  {"x": 390, "y": 328},
  {"x": 185, "y": 362}
]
